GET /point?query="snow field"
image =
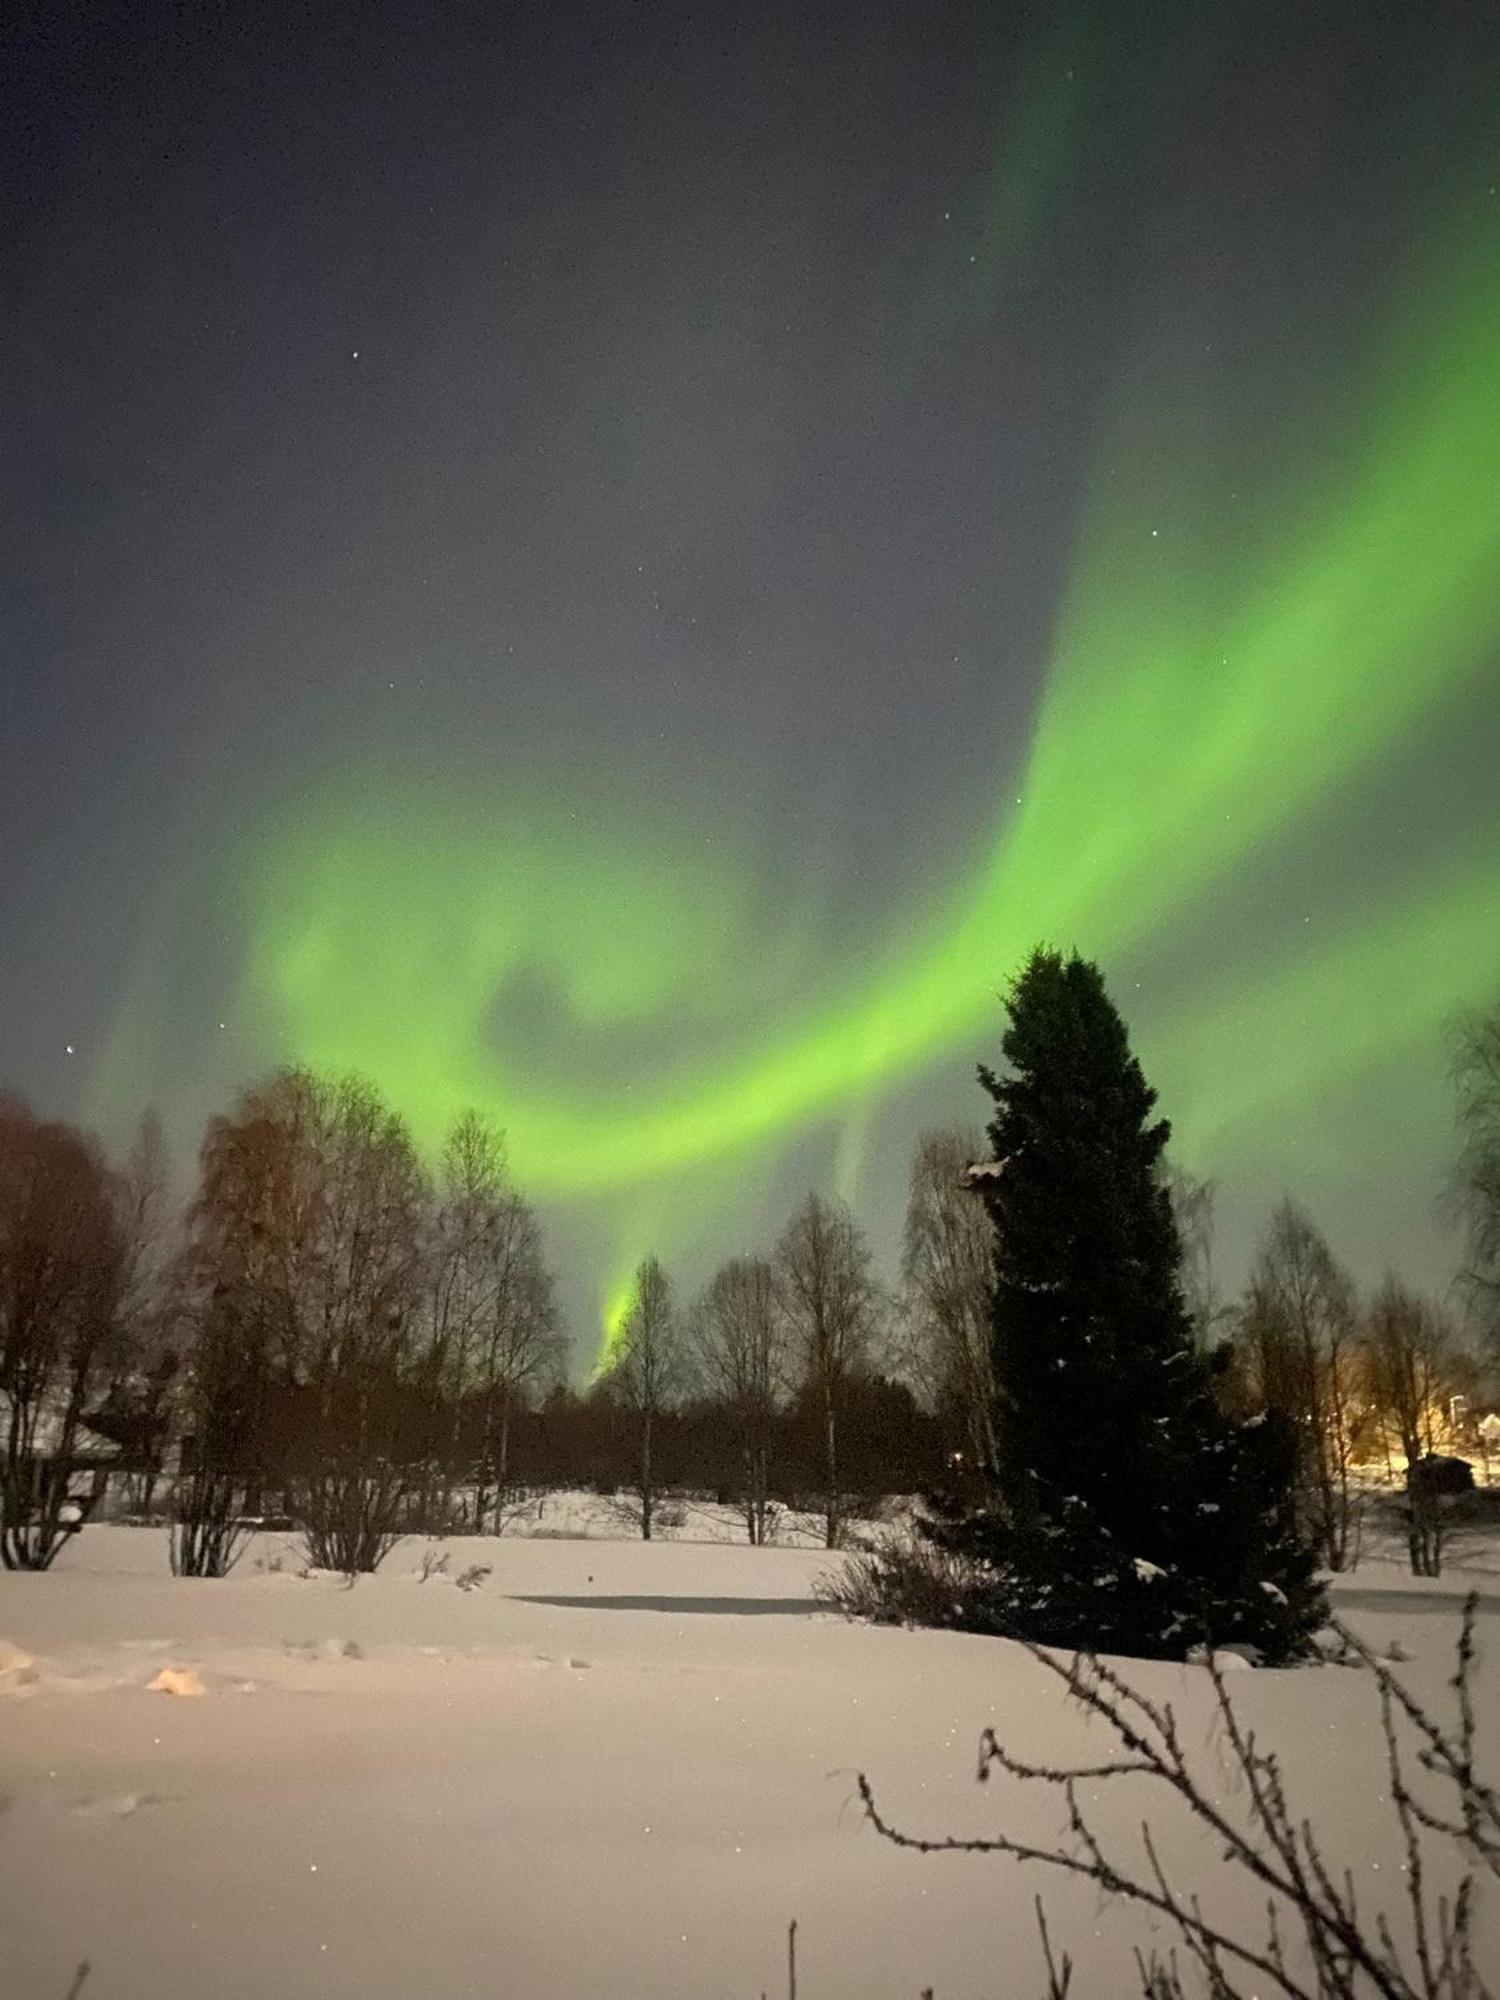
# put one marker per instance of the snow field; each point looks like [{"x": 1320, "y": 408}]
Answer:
[{"x": 612, "y": 1770}]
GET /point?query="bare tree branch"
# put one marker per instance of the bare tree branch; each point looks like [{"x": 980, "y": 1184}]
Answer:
[{"x": 1342, "y": 1954}]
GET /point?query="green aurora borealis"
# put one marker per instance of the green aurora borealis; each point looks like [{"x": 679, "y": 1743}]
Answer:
[
  {"x": 1212, "y": 679},
  {"x": 624, "y": 575}
]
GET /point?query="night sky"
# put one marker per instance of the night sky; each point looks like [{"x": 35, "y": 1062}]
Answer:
[{"x": 624, "y": 563}]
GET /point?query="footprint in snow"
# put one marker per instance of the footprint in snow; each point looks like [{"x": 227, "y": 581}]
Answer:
[
  {"x": 574, "y": 1662},
  {"x": 121, "y": 1807}
]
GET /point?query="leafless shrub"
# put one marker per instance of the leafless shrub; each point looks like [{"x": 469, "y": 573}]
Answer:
[
  {"x": 352, "y": 1509},
  {"x": 1319, "y": 1943},
  {"x": 900, "y": 1581},
  {"x": 472, "y": 1577},
  {"x": 434, "y": 1563},
  {"x": 205, "y": 1538},
  {"x": 515, "y": 1506}
]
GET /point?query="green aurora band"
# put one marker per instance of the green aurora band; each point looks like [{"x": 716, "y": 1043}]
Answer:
[{"x": 1215, "y": 674}]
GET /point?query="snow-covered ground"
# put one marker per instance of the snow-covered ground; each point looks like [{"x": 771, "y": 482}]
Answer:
[{"x": 610, "y": 1770}]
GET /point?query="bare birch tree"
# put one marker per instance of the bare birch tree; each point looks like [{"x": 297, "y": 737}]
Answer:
[
  {"x": 947, "y": 1270},
  {"x": 145, "y": 1359},
  {"x": 648, "y": 1372},
  {"x": 313, "y": 1214},
  {"x": 831, "y": 1305},
  {"x": 453, "y": 1283},
  {"x": 1406, "y": 1351},
  {"x": 1193, "y": 1209},
  {"x": 231, "y": 1275},
  {"x": 739, "y": 1345},
  {"x": 1475, "y": 1185},
  {"x": 498, "y": 1335},
  {"x": 61, "y": 1269},
  {"x": 1297, "y": 1331},
  {"x": 359, "y": 1329}
]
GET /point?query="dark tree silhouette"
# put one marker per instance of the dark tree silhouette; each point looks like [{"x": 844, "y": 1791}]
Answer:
[{"x": 1125, "y": 1511}]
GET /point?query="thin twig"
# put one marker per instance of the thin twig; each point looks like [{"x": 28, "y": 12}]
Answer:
[
  {"x": 1059, "y": 1977},
  {"x": 1346, "y": 1958}
]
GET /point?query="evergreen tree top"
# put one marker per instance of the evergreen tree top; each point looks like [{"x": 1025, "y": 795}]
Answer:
[
  {"x": 1069, "y": 1053},
  {"x": 1080, "y": 1211}
]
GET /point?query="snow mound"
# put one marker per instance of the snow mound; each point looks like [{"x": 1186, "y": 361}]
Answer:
[
  {"x": 18, "y": 1671},
  {"x": 1228, "y": 1659}
]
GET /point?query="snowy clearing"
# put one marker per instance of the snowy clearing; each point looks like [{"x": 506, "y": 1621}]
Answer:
[{"x": 611, "y": 1769}]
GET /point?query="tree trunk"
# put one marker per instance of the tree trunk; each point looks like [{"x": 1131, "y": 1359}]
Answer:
[
  {"x": 502, "y": 1461},
  {"x": 832, "y": 1522},
  {"x": 752, "y": 1507},
  {"x": 486, "y": 1445},
  {"x": 758, "y": 1473},
  {"x": 646, "y": 1476}
]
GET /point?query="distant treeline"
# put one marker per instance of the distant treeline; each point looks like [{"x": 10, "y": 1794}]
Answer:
[{"x": 335, "y": 1329}]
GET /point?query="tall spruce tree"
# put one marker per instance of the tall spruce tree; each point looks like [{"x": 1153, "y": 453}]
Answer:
[{"x": 1124, "y": 1512}]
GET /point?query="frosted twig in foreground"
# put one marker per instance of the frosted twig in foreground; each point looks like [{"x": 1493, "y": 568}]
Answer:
[{"x": 1339, "y": 1953}]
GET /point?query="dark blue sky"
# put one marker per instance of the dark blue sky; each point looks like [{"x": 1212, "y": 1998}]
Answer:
[{"x": 706, "y": 393}]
